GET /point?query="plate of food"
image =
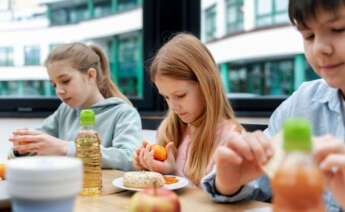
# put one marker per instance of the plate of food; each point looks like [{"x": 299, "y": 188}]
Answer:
[{"x": 139, "y": 180}]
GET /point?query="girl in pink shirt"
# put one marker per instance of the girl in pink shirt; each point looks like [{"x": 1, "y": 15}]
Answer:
[{"x": 199, "y": 116}]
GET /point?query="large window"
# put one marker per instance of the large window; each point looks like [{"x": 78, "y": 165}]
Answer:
[
  {"x": 210, "y": 21},
  {"x": 6, "y": 56},
  {"x": 262, "y": 78},
  {"x": 26, "y": 88},
  {"x": 32, "y": 55},
  {"x": 271, "y": 12},
  {"x": 234, "y": 16}
]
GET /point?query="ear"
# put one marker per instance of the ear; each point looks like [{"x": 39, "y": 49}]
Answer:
[{"x": 91, "y": 74}]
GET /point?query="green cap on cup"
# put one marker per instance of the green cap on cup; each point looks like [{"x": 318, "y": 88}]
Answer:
[
  {"x": 297, "y": 135},
  {"x": 87, "y": 118}
]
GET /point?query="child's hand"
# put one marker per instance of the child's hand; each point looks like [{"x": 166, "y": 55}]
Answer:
[
  {"x": 25, "y": 140},
  {"x": 164, "y": 167},
  {"x": 237, "y": 163},
  {"x": 135, "y": 157},
  {"x": 329, "y": 154}
]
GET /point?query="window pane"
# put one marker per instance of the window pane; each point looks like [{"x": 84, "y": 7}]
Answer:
[
  {"x": 281, "y": 5},
  {"x": 264, "y": 7},
  {"x": 6, "y": 56},
  {"x": 79, "y": 14},
  {"x": 32, "y": 55},
  {"x": 282, "y": 18},
  {"x": 234, "y": 16},
  {"x": 264, "y": 21},
  {"x": 126, "y": 4},
  {"x": 129, "y": 64},
  {"x": 102, "y": 9},
  {"x": 59, "y": 16},
  {"x": 210, "y": 23}
]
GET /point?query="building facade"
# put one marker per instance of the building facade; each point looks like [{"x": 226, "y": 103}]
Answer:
[{"x": 257, "y": 50}]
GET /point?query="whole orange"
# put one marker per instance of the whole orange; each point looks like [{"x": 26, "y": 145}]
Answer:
[{"x": 159, "y": 152}]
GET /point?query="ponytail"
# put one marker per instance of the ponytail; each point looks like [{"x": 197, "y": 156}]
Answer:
[{"x": 104, "y": 82}]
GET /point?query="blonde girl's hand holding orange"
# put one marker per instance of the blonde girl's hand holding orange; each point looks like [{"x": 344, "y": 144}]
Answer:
[
  {"x": 25, "y": 140},
  {"x": 167, "y": 166},
  {"x": 237, "y": 163},
  {"x": 136, "y": 157},
  {"x": 329, "y": 154}
]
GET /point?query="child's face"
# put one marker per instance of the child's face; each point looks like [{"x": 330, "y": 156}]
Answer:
[
  {"x": 184, "y": 97},
  {"x": 70, "y": 85},
  {"x": 324, "y": 44}
]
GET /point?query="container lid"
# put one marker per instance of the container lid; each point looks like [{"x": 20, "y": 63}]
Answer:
[
  {"x": 87, "y": 118},
  {"x": 297, "y": 135},
  {"x": 44, "y": 177}
]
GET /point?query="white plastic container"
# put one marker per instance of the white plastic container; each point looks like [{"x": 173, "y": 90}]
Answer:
[{"x": 44, "y": 183}]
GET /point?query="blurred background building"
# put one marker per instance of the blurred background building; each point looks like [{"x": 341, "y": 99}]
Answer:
[{"x": 258, "y": 52}]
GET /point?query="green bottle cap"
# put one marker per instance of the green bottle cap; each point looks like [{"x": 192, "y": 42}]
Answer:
[
  {"x": 297, "y": 135},
  {"x": 87, "y": 118}
]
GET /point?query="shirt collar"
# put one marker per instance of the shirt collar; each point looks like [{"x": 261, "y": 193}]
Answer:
[{"x": 328, "y": 95}]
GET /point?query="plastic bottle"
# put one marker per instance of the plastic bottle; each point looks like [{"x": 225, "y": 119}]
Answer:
[
  {"x": 88, "y": 150},
  {"x": 298, "y": 184}
]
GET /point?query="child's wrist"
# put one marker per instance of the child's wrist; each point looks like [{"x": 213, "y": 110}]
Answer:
[
  {"x": 224, "y": 190},
  {"x": 64, "y": 148}
]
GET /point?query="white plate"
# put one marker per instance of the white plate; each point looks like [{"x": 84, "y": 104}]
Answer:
[
  {"x": 182, "y": 182},
  {"x": 4, "y": 197}
]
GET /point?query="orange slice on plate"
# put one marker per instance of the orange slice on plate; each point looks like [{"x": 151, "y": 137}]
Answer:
[{"x": 170, "y": 180}]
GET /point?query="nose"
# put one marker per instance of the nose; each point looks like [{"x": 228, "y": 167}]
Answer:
[
  {"x": 59, "y": 90},
  {"x": 323, "y": 46},
  {"x": 174, "y": 105}
]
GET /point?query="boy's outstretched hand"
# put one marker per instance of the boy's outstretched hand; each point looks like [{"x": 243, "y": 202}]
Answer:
[
  {"x": 329, "y": 154},
  {"x": 25, "y": 140},
  {"x": 238, "y": 161}
]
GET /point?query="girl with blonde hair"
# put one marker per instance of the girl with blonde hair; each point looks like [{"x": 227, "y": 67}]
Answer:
[
  {"x": 81, "y": 77},
  {"x": 199, "y": 116}
]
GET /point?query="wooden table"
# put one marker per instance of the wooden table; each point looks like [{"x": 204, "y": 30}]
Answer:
[{"x": 114, "y": 199}]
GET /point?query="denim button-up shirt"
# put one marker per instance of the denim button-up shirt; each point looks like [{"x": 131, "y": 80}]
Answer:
[{"x": 313, "y": 100}]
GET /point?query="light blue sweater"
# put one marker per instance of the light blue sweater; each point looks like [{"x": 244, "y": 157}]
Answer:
[{"x": 117, "y": 123}]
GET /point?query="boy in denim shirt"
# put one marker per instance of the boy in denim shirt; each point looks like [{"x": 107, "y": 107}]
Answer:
[{"x": 238, "y": 175}]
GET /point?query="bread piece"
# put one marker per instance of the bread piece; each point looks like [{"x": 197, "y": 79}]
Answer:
[
  {"x": 273, "y": 164},
  {"x": 142, "y": 179}
]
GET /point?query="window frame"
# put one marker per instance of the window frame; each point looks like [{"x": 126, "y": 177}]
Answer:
[
  {"x": 211, "y": 12},
  {"x": 239, "y": 21},
  {"x": 272, "y": 15}
]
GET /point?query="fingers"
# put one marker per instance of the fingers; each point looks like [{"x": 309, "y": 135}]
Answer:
[
  {"x": 170, "y": 148},
  {"x": 135, "y": 161},
  {"x": 237, "y": 142},
  {"x": 24, "y": 139},
  {"x": 25, "y": 131},
  {"x": 227, "y": 155},
  {"x": 251, "y": 146},
  {"x": 333, "y": 162},
  {"x": 32, "y": 147},
  {"x": 326, "y": 145}
]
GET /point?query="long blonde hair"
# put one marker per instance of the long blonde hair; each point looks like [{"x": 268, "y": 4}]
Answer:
[
  {"x": 82, "y": 58},
  {"x": 184, "y": 57}
]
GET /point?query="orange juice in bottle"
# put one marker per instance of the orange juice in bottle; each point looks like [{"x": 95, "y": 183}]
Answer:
[
  {"x": 88, "y": 150},
  {"x": 298, "y": 184}
]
